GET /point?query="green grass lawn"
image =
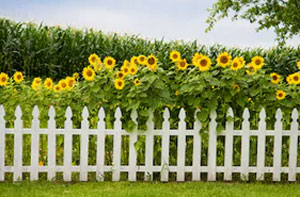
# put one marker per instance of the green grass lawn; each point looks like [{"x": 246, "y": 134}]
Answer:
[{"x": 42, "y": 188}]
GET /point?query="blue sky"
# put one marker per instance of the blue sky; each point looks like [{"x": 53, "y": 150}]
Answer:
[{"x": 168, "y": 19}]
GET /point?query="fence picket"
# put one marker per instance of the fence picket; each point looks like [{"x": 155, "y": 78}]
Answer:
[
  {"x": 2, "y": 142},
  {"x": 277, "y": 146},
  {"x": 181, "y": 146},
  {"x": 84, "y": 145},
  {"x": 245, "y": 145},
  {"x": 132, "y": 151},
  {"x": 68, "y": 142},
  {"x": 165, "y": 146},
  {"x": 149, "y": 148},
  {"x": 212, "y": 150},
  {"x": 196, "y": 149},
  {"x": 228, "y": 147},
  {"x": 100, "y": 145},
  {"x": 261, "y": 142},
  {"x": 293, "y": 146},
  {"x": 35, "y": 144},
  {"x": 51, "y": 144},
  {"x": 117, "y": 146},
  {"x": 18, "y": 145}
]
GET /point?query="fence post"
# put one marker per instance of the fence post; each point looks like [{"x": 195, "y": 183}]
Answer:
[
  {"x": 84, "y": 145},
  {"x": 212, "y": 147},
  {"x": 117, "y": 146},
  {"x": 68, "y": 141},
  {"x": 245, "y": 145},
  {"x": 100, "y": 145},
  {"x": 35, "y": 144},
  {"x": 18, "y": 145},
  {"x": 196, "y": 149},
  {"x": 181, "y": 146},
  {"x": 277, "y": 146},
  {"x": 164, "y": 177},
  {"x": 149, "y": 148},
  {"x": 132, "y": 151},
  {"x": 293, "y": 146},
  {"x": 228, "y": 146},
  {"x": 261, "y": 145},
  {"x": 51, "y": 144},
  {"x": 2, "y": 142}
]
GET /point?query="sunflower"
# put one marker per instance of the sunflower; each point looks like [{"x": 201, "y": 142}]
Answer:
[
  {"x": 125, "y": 70},
  {"x": 224, "y": 59},
  {"x": 195, "y": 58},
  {"x": 70, "y": 82},
  {"x": 275, "y": 78},
  {"x": 18, "y": 77},
  {"x": 142, "y": 60},
  {"x": 56, "y": 88},
  {"x": 37, "y": 80},
  {"x": 134, "y": 60},
  {"x": 109, "y": 62},
  {"x": 48, "y": 83},
  {"x": 204, "y": 63},
  {"x": 137, "y": 82},
  {"x": 132, "y": 69},
  {"x": 236, "y": 64},
  {"x": 152, "y": 62},
  {"x": 298, "y": 64},
  {"x": 63, "y": 84},
  {"x": 237, "y": 87},
  {"x": 93, "y": 59},
  {"x": 75, "y": 75},
  {"x": 251, "y": 69},
  {"x": 289, "y": 79},
  {"x": 36, "y": 83},
  {"x": 175, "y": 56},
  {"x": 181, "y": 64},
  {"x": 119, "y": 84},
  {"x": 120, "y": 75},
  {"x": 88, "y": 74},
  {"x": 258, "y": 62},
  {"x": 3, "y": 79},
  {"x": 126, "y": 63},
  {"x": 242, "y": 61},
  {"x": 98, "y": 65},
  {"x": 280, "y": 94},
  {"x": 176, "y": 93},
  {"x": 295, "y": 78}
]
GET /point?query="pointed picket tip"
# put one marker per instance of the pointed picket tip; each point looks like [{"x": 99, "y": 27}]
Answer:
[
  {"x": 230, "y": 112},
  {"x": 69, "y": 113},
  {"x": 295, "y": 114},
  {"x": 213, "y": 115},
  {"x": 2, "y": 111},
  {"x": 166, "y": 114},
  {"x": 36, "y": 112},
  {"x": 51, "y": 112},
  {"x": 182, "y": 114},
  {"x": 118, "y": 113},
  {"x": 133, "y": 114},
  {"x": 150, "y": 112},
  {"x": 85, "y": 113},
  {"x": 246, "y": 114},
  {"x": 278, "y": 115},
  {"x": 18, "y": 112},
  {"x": 262, "y": 114},
  {"x": 101, "y": 113}
]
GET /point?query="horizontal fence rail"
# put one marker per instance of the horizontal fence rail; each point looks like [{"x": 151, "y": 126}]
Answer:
[{"x": 148, "y": 168}]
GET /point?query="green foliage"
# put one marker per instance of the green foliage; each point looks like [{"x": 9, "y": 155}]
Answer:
[
  {"x": 47, "y": 51},
  {"x": 282, "y": 16}
]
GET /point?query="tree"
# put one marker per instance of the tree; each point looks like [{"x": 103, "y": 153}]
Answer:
[{"x": 282, "y": 15}]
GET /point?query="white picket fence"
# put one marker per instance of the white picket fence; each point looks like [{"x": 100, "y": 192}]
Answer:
[{"x": 196, "y": 169}]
